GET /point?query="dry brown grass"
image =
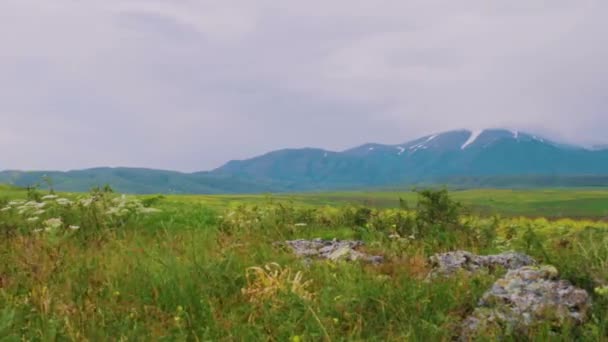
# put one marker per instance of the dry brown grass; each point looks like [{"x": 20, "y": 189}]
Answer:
[{"x": 267, "y": 282}]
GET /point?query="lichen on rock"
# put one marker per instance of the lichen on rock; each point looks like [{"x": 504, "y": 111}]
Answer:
[
  {"x": 447, "y": 264},
  {"x": 527, "y": 297}
]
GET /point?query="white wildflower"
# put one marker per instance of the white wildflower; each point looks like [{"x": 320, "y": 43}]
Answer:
[
  {"x": 301, "y": 225},
  {"x": 37, "y": 230},
  {"x": 112, "y": 211},
  {"x": 86, "y": 201},
  {"x": 6, "y": 209},
  {"x": 15, "y": 203},
  {"x": 53, "y": 223},
  {"x": 64, "y": 201},
  {"x": 148, "y": 210},
  {"x": 74, "y": 227},
  {"x": 49, "y": 197},
  {"x": 33, "y": 219},
  {"x": 39, "y": 212}
]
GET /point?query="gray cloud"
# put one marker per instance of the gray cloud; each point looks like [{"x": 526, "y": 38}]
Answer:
[{"x": 190, "y": 84}]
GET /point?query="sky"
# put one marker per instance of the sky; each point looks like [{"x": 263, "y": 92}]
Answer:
[{"x": 190, "y": 84}]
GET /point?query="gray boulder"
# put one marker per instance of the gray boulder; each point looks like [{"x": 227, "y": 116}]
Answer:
[
  {"x": 524, "y": 298},
  {"x": 447, "y": 264},
  {"x": 332, "y": 250}
]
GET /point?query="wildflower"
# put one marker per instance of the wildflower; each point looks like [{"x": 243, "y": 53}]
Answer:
[
  {"x": 74, "y": 227},
  {"x": 49, "y": 197},
  {"x": 148, "y": 210},
  {"x": 300, "y": 225},
  {"x": 116, "y": 293},
  {"x": 53, "y": 223},
  {"x": 112, "y": 211},
  {"x": 6, "y": 209},
  {"x": 86, "y": 201},
  {"x": 37, "y": 230},
  {"x": 39, "y": 212},
  {"x": 63, "y": 201},
  {"x": 394, "y": 236},
  {"x": 33, "y": 219}
]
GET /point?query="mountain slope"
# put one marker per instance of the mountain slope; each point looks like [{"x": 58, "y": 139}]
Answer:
[
  {"x": 436, "y": 157},
  {"x": 493, "y": 157}
]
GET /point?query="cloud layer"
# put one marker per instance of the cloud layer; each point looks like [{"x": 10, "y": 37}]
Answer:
[{"x": 189, "y": 84}]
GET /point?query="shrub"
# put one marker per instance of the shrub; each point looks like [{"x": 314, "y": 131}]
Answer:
[{"x": 435, "y": 207}]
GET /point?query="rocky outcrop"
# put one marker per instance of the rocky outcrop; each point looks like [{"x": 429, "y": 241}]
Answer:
[
  {"x": 524, "y": 298},
  {"x": 447, "y": 264},
  {"x": 332, "y": 250}
]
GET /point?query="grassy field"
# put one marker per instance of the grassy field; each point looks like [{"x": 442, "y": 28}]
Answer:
[
  {"x": 550, "y": 203},
  {"x": 101, "y": 267}
]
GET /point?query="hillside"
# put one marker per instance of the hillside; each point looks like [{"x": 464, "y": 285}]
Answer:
[
  {"x": 141, "y": 181},
  {"x": 487, "y": 158},
  {"x": 456, "y": 156}
]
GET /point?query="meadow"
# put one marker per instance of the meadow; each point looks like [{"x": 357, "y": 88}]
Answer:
[
  {"x": 583, "y": 203},
  {"x": 102, "y": 266}
]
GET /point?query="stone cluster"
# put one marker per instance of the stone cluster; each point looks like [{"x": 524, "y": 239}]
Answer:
[
  {"x": 334, "y": 250},
  {"x": 525, "y": 297}
]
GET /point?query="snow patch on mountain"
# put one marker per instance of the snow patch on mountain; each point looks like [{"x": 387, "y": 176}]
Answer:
[
  {"x": 535, "y": 137},
  {"x": 472, "y": 138},
  {"x": 422, "y": 145}
]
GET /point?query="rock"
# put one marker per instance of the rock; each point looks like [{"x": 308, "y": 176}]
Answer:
[
  {"x": 332, "y": 250},
  {"x": 524, "y": 298},
  {"x": 447, "y": 264}
]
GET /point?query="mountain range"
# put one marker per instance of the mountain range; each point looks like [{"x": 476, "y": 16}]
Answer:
[{"x": 491, "y": 157}]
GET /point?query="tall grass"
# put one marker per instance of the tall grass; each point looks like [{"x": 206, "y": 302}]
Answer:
[{"x": 188, "y": 272}]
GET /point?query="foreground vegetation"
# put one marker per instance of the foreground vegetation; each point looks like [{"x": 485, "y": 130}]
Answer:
[{"x": 103, "y": 267}]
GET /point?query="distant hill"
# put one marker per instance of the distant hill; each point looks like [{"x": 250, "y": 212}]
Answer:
[
  {"x": 141, "y": 181},
  {"x": 492, "y": 157},
  {"x": 487, "y": 154}
]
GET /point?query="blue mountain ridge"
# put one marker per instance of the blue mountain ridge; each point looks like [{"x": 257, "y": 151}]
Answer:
[{"x": 486, "y": 157}]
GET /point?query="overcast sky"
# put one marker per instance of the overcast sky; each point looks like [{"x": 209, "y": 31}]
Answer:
[{"x": 190, "y": 84}]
